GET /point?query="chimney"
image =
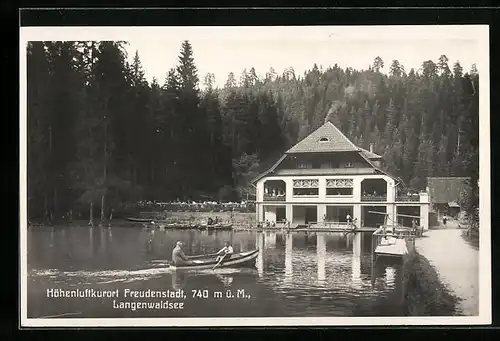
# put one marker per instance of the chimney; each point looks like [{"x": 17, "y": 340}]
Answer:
[{"x": 371, "y": 147}]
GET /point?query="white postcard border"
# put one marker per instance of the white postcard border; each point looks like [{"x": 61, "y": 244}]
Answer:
[{"x": 478, "y": 32}]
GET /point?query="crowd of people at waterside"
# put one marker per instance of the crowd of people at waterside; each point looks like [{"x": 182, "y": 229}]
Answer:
[{"x": 193, "y": 206}]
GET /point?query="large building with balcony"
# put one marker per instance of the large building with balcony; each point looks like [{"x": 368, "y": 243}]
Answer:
[{"x": 325, "y": 178}]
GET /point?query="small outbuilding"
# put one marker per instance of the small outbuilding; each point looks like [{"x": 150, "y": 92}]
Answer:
[{"x": 445, "y": 192}]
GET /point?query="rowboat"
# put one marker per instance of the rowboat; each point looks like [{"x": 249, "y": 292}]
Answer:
[
  {"x": 218, "y": 226},
  {"x": 140, "y": 220},
  {"x": 178, "y": 225},
  {"x": 237, "y": 260}
]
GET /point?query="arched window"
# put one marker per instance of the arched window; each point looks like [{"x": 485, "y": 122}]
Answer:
[{"x": 323, "y": 139}]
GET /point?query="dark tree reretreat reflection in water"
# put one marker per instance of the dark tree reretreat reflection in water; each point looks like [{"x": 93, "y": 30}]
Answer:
[{"x": 296, "y": 274}]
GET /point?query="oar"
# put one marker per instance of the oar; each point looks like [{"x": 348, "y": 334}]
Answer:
[{"x": 218, "y": 263}]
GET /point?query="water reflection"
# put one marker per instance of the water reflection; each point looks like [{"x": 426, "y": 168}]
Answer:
[
  {"x": 321, "y": 254},
  {"x": 356, "y": 260},
  {"x": 178, "y": 280},
  {"x": 226, "y": 280},
  {"x": 260, "y": 257},
  {"x": 288, "y": 257},
  {"x": 103, "y": 236},
  {"x": 91, "y": 240},
  {"x": 390, "y": 276},
  {"x": 52, "y": 236},
  {"x": 270, "y": 239}
]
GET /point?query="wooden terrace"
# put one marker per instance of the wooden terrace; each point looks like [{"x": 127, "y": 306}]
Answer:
[{"x": 311, "y": 227}]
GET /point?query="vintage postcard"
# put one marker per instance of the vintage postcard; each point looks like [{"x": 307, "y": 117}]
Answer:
[{"x": 255, "y": 176}]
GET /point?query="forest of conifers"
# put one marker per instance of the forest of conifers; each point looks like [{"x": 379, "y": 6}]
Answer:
[{"x": 99, "y": 132}]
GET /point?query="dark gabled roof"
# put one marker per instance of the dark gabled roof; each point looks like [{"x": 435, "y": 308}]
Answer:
[
  {"x": 443, "y": 190},
  {"x": 326, "y": 171},
  {"x": 370, "y": 155},
  {"x": 263, "y": 174},
  {"x": 334, "y": 141},
  {"x": 379, "y": 170}
]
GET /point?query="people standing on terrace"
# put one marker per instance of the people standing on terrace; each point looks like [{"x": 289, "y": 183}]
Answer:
[{"x": 349, "y": 219}]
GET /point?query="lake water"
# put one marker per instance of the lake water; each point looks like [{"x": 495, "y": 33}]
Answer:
[{"x": 296, "y": 274}]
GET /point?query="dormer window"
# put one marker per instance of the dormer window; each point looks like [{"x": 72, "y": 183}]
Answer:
[{"x": 323, "y": 139}]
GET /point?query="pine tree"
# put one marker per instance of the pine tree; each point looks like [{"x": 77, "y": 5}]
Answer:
[
  {"x": 186, "y": 69},
  {"x": 397, "y": 69},
  {"x": 65, "y": 96},
  {"x": 391, "y": 121},
  {"x": 271, "y": 75},
  {"x": 378, "y": 64},
  {"x": 38, "y": 119},
  {"x": 253, "y": 79},
  {"x": 443, "y": 65},
  {"x": 216, "y": 158},
  {"x": 244, "y": 79},
  {"x": 141, "y": 120},
  {"x": 441, "y": 164},
  {"x": 209, "y": 82},
  {"x": 137, "y": 71},
  {"x": 193, "y": 132},
  {"x": 231, "y": 81}
]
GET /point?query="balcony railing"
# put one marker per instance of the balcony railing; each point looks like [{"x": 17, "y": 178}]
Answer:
[
  {"x": 375, "y": 198},
  {"x": 269, "y": 197},
  {"x": 411, "y": 198}
]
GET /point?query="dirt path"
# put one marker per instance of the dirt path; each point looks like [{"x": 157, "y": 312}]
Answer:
[{"x": 456, "y": 262}]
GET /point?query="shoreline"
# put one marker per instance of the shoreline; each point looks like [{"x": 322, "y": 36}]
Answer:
[
  {"x": 455, "y": 263},
  {"x": 425, "y": 293},
  {"x": 470, "y": 240}
]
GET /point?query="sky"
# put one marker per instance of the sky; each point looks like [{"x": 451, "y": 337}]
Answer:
[
  {"x": 221, "y": 50},
  {"x": 238, "y": 49}
]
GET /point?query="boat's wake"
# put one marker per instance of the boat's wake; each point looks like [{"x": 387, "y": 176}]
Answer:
[
  {"x": 157, "y": 269},
  {"x": 226, "y": 271},
  {"x": 160, "y": 262},
  {"x": 104, "y": 276}
]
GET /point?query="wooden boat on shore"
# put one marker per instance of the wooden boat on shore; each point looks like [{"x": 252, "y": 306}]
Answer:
[
  {"x": 237, "y": 260},
  {"x": 175, "y": 225},
  {"x": 219, "y": 227},
  {"x": 140, "y": 220},
  {"x": 187, "y": 226}
]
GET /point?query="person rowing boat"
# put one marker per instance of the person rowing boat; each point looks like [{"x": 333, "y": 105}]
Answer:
[
  {"x": 225, "y": 253},
  {"x": 178, "y": 256}
]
